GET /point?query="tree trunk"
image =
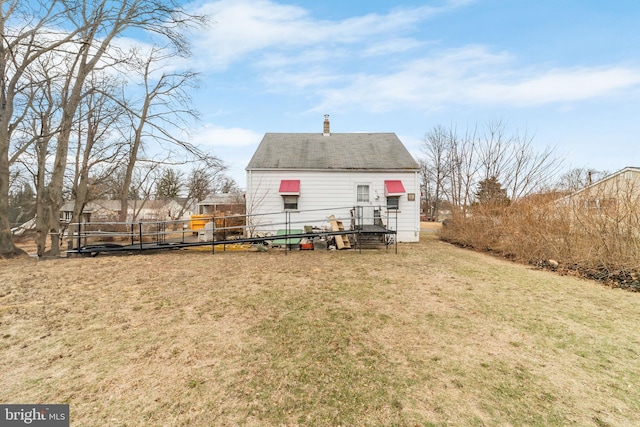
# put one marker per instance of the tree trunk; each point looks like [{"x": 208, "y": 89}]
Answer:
[
  {"x": 55, "y": 196},
  {"x": 82, "y": 176},
  {"x": 41, "y": 196},
  {"x": 7, "y": 247},
  {"x": 133, "y": 157}
]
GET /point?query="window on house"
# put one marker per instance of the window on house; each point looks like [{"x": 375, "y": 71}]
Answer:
[
  {"x": 290, "y": 192},
  {"x": 393, "y": 202},
  {"x": 290, "y": 202},
  {"x": 363, "y": 193}
]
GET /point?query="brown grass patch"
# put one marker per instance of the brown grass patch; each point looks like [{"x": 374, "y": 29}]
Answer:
[{"x": 435, "y": 335}]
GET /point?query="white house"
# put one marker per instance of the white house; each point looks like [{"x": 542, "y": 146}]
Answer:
[{"x": 309, "y": 176}]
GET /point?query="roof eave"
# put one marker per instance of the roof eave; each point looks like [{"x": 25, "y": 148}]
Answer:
[{"x": 335, "y": 169}]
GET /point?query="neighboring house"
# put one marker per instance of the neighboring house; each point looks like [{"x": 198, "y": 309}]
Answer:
[
  {"x": 94, "y": 211},
  {"x": 161, "y": 210},
  {"x": 622, "y": 187},
  {"x": 444, "y": 211},
  {"x": 141, "y": 210},
  {"x": 314, "y": 175},
  {"x": 225, "y": 203}
]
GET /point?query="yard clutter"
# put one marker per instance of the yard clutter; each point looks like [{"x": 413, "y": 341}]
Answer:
[
  {"x": 306, "y": 244},
  {"x": 292, "y": 242},
  {"x": 212, "y": 230},
  {"x": 205, "y": 233},
  {"x": 224, "y": 224},
  {"x": 342, "y": 241},
  {"x": 320, "y": 244},
  {"x": 313, "y": 238}
]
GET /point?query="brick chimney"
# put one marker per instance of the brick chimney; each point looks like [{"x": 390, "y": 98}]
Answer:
[{"x": 327, "y": 129}]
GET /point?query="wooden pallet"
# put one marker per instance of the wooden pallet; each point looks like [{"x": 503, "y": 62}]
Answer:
[{"x": 342, "y": 240}]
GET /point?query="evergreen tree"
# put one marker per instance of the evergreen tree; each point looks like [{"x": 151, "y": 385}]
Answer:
[
  {"x": 22, "y": 205},
  {"x": 491, "y": 194},
  {"x": 169, "y": 184}
]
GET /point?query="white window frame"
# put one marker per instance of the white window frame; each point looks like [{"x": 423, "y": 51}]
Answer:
[
  {"x": 289, "y": 199},
  {"x": 360, "y": 194}
]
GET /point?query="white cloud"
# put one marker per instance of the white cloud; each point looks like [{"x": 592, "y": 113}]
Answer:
[
  {"x": 245, "y": 27},
  {"x": 428, "y": 82},
  {"x": 475, "y": 76},
  {"x": 334, "y": 61},
  {"x": 392, "y": 46},
  {"x": 316, "y": 77},
  {"x": 559, "y": 85},
  {"x": 211, "y": 135}
]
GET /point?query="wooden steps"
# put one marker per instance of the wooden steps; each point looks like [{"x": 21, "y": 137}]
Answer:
[{"x": 342, "y": 240}]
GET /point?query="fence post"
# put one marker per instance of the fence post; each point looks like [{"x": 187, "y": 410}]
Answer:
[
  {"x": 79, "y": 238},
  {"x": 140, "y": 228},
  {"x": 287, "y": 228},
  {"x": 213, "y": 235}
]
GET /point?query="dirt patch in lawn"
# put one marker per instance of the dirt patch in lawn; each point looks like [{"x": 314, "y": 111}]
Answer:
[{"x": 430, "y": 227}]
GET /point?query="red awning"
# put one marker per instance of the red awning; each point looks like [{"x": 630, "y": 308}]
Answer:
[
  {"x": 393, "y": 188},
  {"x": 290, "y": 187}
]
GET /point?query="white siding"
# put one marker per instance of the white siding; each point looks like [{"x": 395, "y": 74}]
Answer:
[{"x": 331, "y": 193}]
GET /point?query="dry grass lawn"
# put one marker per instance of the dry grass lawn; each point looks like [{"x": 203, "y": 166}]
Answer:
[{"x": 434, "y": 335}]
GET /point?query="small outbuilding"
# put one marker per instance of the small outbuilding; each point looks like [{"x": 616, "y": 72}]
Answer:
[{"x": 311, "y": 176}]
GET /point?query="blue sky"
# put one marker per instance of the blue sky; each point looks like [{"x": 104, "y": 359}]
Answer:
[{"x": 565, "y": 71}]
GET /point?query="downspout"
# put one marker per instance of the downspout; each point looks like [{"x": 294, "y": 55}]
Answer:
[
  {"x": 247, "y": 195},
  {"x": 416, "y": 204}
]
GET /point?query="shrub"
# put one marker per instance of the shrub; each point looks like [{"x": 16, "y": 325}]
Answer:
[{"x": 601, "y": 243}]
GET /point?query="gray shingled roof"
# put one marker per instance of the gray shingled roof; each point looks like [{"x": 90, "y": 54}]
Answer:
[{"x": 336, "y": 151}]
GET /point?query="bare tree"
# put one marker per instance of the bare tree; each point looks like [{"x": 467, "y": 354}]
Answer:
[
  {"x": 254, "y": 200},
  {"x": 25, "y": 35},
  {"x": 579, "y": 178},
  {"x": 425, "y": 188},
  {"x": 493, "y": 151},
  {"x": 511, "y": 157},
  {"x": 204, "y": 179},
  {"x": 98, "y": 152},
  {"x": 457, "y": 164},
  {"x": 165, "y": 105},
  {"x": 143, "y": 185},
  {"x": 34, "y": 134},
  {"x": 87, "y": 44},
  {"x": 106, "y": 20},
  {"x": 223, "y": 183},
  {"x": 529, "y": 170},
  {"x": 463, "y": 169},
  {"x": 436, "y": 148},
  {"x": 43, "y": 211},
  {"x": 199, "y": 184}
]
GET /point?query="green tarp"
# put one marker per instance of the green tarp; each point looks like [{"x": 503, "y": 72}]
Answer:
[{"x": 289, "y": 241}]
